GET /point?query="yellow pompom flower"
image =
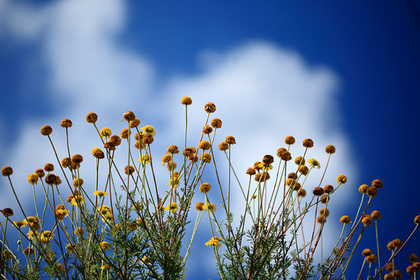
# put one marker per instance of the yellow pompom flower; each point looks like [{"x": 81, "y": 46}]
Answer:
[
  {"x": 172, "y": 207},
  {"x": 341, "y": 179},
  {"x": 214, "y": 241},
  {"x": 105, "y": 132},
  {"x": 33, "y": 179},
  {"x": 313, "y": 163},
  {"x": 145, "y": 159},
  {"x": 209, "y": 207},
  {"x": 105, "y": 245},
  {"x": 174, "y": 182},
  {"x": 77, "y": 200},
  {"x": 148, "y": 129},
  {"x": 265, "y": 166},
  {"x": 100, "y": 193}
]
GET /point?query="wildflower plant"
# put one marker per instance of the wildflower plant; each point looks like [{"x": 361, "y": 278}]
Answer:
[{"x": 132, "y": 223}]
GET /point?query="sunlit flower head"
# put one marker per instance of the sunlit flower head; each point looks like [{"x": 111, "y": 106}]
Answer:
[
  {"x": 205, "y": 187},
  {"x": 145, "y": 159},
  {"x": 19, "y": 224},
  {"x": 214, "y": 241},
  {"x": 265, "y": 166},
  {"x": 148, "y": 129},
  {"x": 104, "y": 209},
  {"x": 33, "y": 179},
  {"x": 105, "y": 245},
  {"x": 105, "y": 132},
  {"x": 341, "y": 179},
  {"x": 77, "y": 200},
  {"x": 46, "y": 236},
  {"x": 172, "y": 207},
  {"x": 145, "y": 260},
  {"x": 106, "y": 267},
  {"x": 32, "y": 234},
  {"x": 172, "y": 149},
  {"x": 186, "y": 100},
  {"x": 313, "y": 163},
  {"x": 345, "y": 220},
  {"x": 100, "y": 193},
  {"x": 199, "y": 206},
  {"x": 209, "y": 207},
  {"x": 174, "y": 181}
]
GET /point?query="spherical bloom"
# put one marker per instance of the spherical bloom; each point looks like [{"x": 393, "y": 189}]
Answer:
[
  {"x": 105, "y": 132},
  {"x": 216, "y": 123},
  {"x": 49, "y": 167},
  {"x": 372, "y": 191},
  {"x": 128, "y": 170},
  {"x": 363, "y": 188},
  {"x": 304, "y": 170},
  {"x": 8, "y": 212},
  {"x": 313, "y": 163},
  {"x": 230, "y": 140},
  {"x": 66, "y": 123},
  {"x": 77, "y": 182},
  {"x": 189, "y": 151},
  {"x": 46, "y": 236},
  {"x": 397, "y": 274},
  {"x": 280, "y": 151},
  {"x": 148, "y": 129},
  {"x": 417, "y": 220},
  {"x": 205, "y": 187},
  {"x": 115, "y": 139},
  {"x": 124, "y": 133},
  {"x": 290, "y": 182},
  {"x": 129, "y": 116},
  {"x": 210, "y": 107},
  {"x": 268, "y": 159},
  {"x": 171, "y": 166},
  {"x": 318, "y": 191},
  {"x": 214, "y": 241},
  {"x": 33, "y": 179},
  {"x": 105, "y": 245},
  {"x": 166, "y": 158},
  {"x": 376, "y": 215},
  {"x": 321, "y": 220},
  {"x": 172, "y": 207},
  {"x": 328, "y": 189},
  {"x": 262, "y": 177},
  {"x": 97, "y": 152},
  {"x": 77, "y": 158},
  {"x": 207, "y": 129},
  {"x": 324, "y": 198},
  {"x": 345, "y": 220},
  {"x": 398, "y": 243},
  {"x": 91, "y": 117},
  {"x": 289, "y": 140},
  {"x": 50, "y": 179},
  {"x": 223, "y": 146},
  {"x": 301, "y": 193},
  {"x": 300, "y": 160},
  {"x": 65, "y": 162},
  {"x": 371, "y": 258},
  {"x": 250, "y": 171},
  {"x": 209, "y": 207},
  {"x": 173, "y": 149},
  {"x": 366, "y": 252},
  {"x": 28, "y": 251},
  {"x": 40, "y": 172},
  {"x": 134, "y": 123},
  {"x": 341, "y": 179},
  {"x": 186, "y": 100},
  {"x": 411, "y": 269},
  {"x": 390, "y": 267},
  {"x": 308, "y": 143},
  {"x": 204, "y": 145},
  {"x": 367, "y": 221},
  {"x": 199, "y": 206},
  {"x": 205, "y": 157},
  {"x": 100, "y": 193},
  {"x": 413, "y": 258},
  {"x": 330, "y": 149},
  {"x": 46, "y": 130},
  {"x": 377, "y": 184},
  {"x": 324, "y": 212},
  {"x": 286, "y": 156}
]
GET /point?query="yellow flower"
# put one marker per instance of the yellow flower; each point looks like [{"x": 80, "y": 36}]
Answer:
[
  {"x": 105, "y": 132},
  {"x": 33, "y": 179},
  {"x": 145, "y": 260},
  {"x": 148, "y": 129},
  {"x": 77, "y": 200},
  {"x": 71, "y": 248},
  {"x": 341, "y": 179},
  {"x": 100, "y": 193},
  {"x": 209, "y": 207},
  {"x": 32, "y": 234},
  {"x": 172, "y": 207},
  {"x": 144, "y": 159},
  {"x": 94, "y": 150},
  {"x": 313, "y": 163},
  {"x": 174, "y": 182},
  {"x": 265, "y": 166},
  {"x": 46, "y": 236},
  {"x": 106, "y": 267},
  {"x": 214, "y": 241},
  {"x": 19, "y": 224},
  {"x": 105, "y": 245},
  {"x": 104, "y": 209}
]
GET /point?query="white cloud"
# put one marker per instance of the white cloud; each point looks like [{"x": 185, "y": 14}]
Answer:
[{"x": 262, "y": 92}]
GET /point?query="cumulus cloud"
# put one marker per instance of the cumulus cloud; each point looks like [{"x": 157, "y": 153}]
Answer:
[{"x": 262, "y": 91}]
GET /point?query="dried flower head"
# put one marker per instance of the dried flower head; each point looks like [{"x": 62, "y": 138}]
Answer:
[
  {"x": 166, "y": 158},
  {"x": 199, "y": 206},
  {"x": 230, "y": 140},
  {"x": 372, "y": 191},
  {"x": 417, "y": 219},
  {"x": 318, "y": 191},
  {"x": 91, "y": 117},
  {"x": 328, "y": 189},
  {"x": 325, "y": 198},
  {"x": 341, "y": 179},
  {"x": 251, "y": 171},
  {"x": 397, "y": 274},
  {"x": 189, "y": 151},
  {"x": 377, "y": 184},
  {"x": 28, "y": 251},
  {"x": 376, "y": 215},
  {"x": 268, "y": 159},
  {"x": 207, "y": 129},
  {"x": 124, "y": 133},
  {"x": 330, "y": 149},
  {"x": 280, "y": 151},
  {"x": 40, "y": 172},
  {"x": 262, "y": 177},
  {"x": 301, "y": 193},
  {"x": 345, "y": 220},
  {"x": 33, "y": 179},
  {"x": 128, "y": 170},
  {"x": 105, "y": 132},
  {"x": 171, "y": 166},
  {"x": 223, "y": 146},
  {"x": 292, "y": 175},
  {"x": 216, "y": 123},
  {"x": 46, "y": 130},
  {"x": 324, "y": 212},
  {"x": 186, "y": 100},
  {"x": 308, "y": 143},
  {"x": 367, "y": 221},
  {"x": 8, "y": 212},
  {"x": 398, "y": 243},
  {"x": 303, "y": 169},
  {"x": 65, "y": 162},
  {"x": 134, "y": 123},
  {"x": 390, "y": 267},
  {"x": 300, "y": 160},
  {"x": 49, "y": 167},
  {"x": 115, "y": 139},
  {"x": 289, "y": 140},
  {"x": 98, "y": 153},
  {"x": 77, "y": 182},
  {"x": 205, "y": 157},
  {"x": 205, "y": 187},
  {"x": 205, "y": 145},
  {"x": 77, "y": 158},
  {"x": 321, "y": 220},
  {"x": 363, "y": 188},
  {"x": 147, "y": 138},
  {"x": 371, "y": 258},
  {"x": 129, "y": 116},
  {"x": 286, "y": 156},
  {"x": 411, "y": 269},
  {"x": 413, "y": 258},
  {"x": 50, "y": 179},
  {"x": 173, "y": 149},
  {"x": 366, "y": 252},
  {"x": 210, "y": 107}
]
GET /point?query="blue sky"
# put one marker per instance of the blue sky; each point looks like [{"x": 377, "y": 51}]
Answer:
[{"x": 343, "y": 73}]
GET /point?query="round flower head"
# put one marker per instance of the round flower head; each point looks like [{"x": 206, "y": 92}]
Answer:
[
  {"x": 313, "y": 163},
  {"x": 207, "y": 129},
  {"x": 186, "y": 100},
  {"x": 324, "y": 212},
  {"x": 28, "y": 251},
  {"x": 91, "y": 117},
  {"x": 171, "y": 166},
  {"x": 193, "y": 158},
  {"x": 129, "y": 116},
  {"x": 223, "y": 146},
  {"x": 40, "y": 172},
  {"x": 77, "y": 182},
  {"x": 377, "y": 184},
  {"x": 216, "y": 123},
  {"x": 105, "y": 245},
  {"x": 280, "y": 151},
  {"x": 257, "y": 165},
  {"x": 205, "y": 157},
  {"x": 128, "y": 170},
  {"x": 300, "y": 160},
  {"x": 50, "y": 179},
  {"x": 345, "y": 220},
  {"x": 303, "y": 169},
  {"x": 66, "y": 123},
  {"x": 210, "y": 107},
  {"x": 115, "y": 139},
  {"x": 411, "y": 269},
  {"x": 367, "y": 221},
  {"x": 330, "y": 149},
  {"x": 134, "y": 123},
  {"x": 109, "y": 145},
  {"x": 49, "y": 167},
  {"x": 398, "y": 243},
  {"x": 318, "y": 191},
  {"x": 46, "y": 130},
  {"x": 286, "y": 156},
  {"x": 290, "y": 140},
  {"x": 199, "y": 206},
  {"x": 268, "y": 159},
  {"x": 189, "y": 151},
  {"x": 371, "y": 258},
  {"x": 205, "y": 187},
  {"x": 94, "y": 150},
  {"x": 166, "y": 158},
  {"x": 417, "y": 220},
  {"x": 33, "y": 179},
  {"x": 292, "y": 175},
  {"x": 413, "y": 258},
  {"x": 139, "y": 144},
  {"x": 325, "y": 198},
  {"x": 250, "y": 171},
  {"x": 148, "y": 129},
  {"x": 397, "y": 274},
  {"x": 173, "y": 149},
  {"x": 290, "y": 182},
  {"x": 341, "y": 179},
  {"x": 372, "y": 191},
  {"x": 172, "y": 207},
  {"x": 363, "y": 188},
  {"x": 205, "y": 145},
  {"x": 125, "y": 133},
  {"x": 65, "y": 162},
  {"x": 230, "y": 140},
  {"x": 366, "y": 252},
  {"x": 328, "y": 189},
  {"x": 138, "y": 135},
  {"x": 105, "y": 132},
  {"x": 321, "y": 220},
  {"x": 308, "y": 143},
  {"x": 262, "y": 177},
  {"x": 376, "y": 215},
  {"x": 77, "y": 158},
  {"x": 8, "y": 212},
  {"x": 147, "y": 138},
  {"x": 390, "y": 267},
  {"x": 301, "y": 193}
]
